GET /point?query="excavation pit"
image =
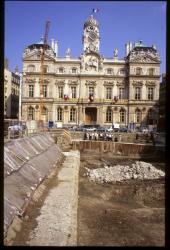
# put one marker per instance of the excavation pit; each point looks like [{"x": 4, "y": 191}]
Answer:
[{"x": 127, "y": 213}]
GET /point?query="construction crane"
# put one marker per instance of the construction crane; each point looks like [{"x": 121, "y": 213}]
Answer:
[{"x": 44, "y": 47}]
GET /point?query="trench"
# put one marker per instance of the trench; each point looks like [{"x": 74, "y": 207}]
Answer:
[{"x": 129, "y": 213}]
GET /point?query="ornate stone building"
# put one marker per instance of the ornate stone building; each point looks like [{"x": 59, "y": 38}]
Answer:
[
  {"x": 92, "y": 89},
  {"x": 11, "y": 93}
]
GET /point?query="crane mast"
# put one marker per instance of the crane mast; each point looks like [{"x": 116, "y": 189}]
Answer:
[{"x": 44, "y": 47}]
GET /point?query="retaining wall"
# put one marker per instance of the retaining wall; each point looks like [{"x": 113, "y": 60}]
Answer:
[
  {"x": 119, "y": 148},
  {"x": 26, "y": 163}
]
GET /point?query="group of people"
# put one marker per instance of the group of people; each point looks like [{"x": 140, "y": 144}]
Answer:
[
  {"x": 100, "y": 136},
  {"x": 149, "y": 137}
]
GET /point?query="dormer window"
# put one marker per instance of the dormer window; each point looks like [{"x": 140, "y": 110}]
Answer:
[
  {"x": 61, "y": 70},
  {"x": 45, "y": 69},
  {"x": 31, "y": 68},
  {"x": 74, "y": 70},
  {"x": 151, "y": 72},
  {"x": 138, "y": 71},
  {"x": 122, "y": 71},
  {"x": 109, "y": 71}
]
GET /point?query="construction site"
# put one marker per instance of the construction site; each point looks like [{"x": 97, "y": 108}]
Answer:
[{"x": 61, "y": 190}]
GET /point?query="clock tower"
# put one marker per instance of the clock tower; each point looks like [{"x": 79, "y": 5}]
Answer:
[{"x": 91, "y": 36}]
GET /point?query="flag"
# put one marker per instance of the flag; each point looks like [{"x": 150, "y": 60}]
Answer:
[{"x": 95, "y": 10}]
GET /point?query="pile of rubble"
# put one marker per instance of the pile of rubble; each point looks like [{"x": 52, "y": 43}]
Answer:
[{"x": 138, "y": 170}]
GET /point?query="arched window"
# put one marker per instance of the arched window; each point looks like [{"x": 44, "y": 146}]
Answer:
[
  {"x": 72, "y": 114},
  {"x": 31, "y": 113},
  {"x": 59, "y": 114},
  {"x": 122, "y": 115},
  {"x": 138, "y": 71},
  {"x": 138, "y": 115},
  {"x": 109, "y": 115},
  {"x": 31, "y": 68}
]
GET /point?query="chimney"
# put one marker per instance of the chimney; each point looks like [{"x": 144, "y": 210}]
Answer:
[
  {"x": 154, "y": 46},
  {"x": 52, "y": 43},
  {"x": 140, "y": 43},
  {"x": 56, "y": 48},
  {"x": 126, "y": 49},
  {"x": 16, "y": 70},
  {"x": 130, "y": 46},
  {"x": 6, "y": 63}
]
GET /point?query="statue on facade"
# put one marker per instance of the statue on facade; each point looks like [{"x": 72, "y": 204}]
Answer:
[
  {"x": 116, "y": 52},
  {"x": 68, "y": 52}
]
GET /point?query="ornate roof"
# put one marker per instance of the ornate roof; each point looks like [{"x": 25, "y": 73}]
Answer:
[{"x": 91, "y": 22}]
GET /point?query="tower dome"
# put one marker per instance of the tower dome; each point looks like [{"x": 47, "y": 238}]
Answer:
[{"x": 91, "y": 22}]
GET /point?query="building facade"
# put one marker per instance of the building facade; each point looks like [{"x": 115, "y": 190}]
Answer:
[
  {"x": 92, "y": 89},
  {"x": 162, "y": 102},
  {"x": 11, "y": 93}
]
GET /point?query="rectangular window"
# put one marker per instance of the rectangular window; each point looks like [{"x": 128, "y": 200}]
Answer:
[
  {"x": 108, "y": 93},
  {"x": 44, "y": 90},
  {"x": 61, "y": 70},
  {"x": 122, "y": 116},
  {"x": 60, "y": 91},
  {"x": 91, "y": 91},
  {"x": 74, "y": 70},
  {"x": 45, "y": 69},
  {"x": 109, "y": 115},
  {"x": 59, "y": 114},
  {"x": 137, "y": 93},
  {"x": 72, "y": 115},
  {"x": 73, "y": 92},
  {"x": 151, "y": 71},
  {"x": 121, "y": 93},
  {"x": 109, "y": 71},
  {"x": 138, "y": 71},
  {"x": 31, "y": 91},
  {"x": 122, "y": 71},
  {"x": 150, "y": 93}
]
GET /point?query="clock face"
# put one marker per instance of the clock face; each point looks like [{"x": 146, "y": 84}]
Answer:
[{"x": 90, "y": 28}]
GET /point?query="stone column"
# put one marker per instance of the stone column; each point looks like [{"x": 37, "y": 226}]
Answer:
[
  {"x": 80, "y": 115},
  {"x": 131, "y": 91},
  {"x": 99, "y": 120},
  {"x": 83, "y": 114}
]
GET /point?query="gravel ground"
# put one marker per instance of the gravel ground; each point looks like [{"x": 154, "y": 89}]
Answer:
[{"x": 56, "y": 222}]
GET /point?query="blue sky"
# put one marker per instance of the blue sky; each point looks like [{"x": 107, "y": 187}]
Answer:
[{"x": 120, "y": 22}]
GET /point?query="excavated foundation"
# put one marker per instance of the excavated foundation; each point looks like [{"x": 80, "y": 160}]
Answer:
[
  {"x": 127, "y": 213},
  {"x": 119, "y": 213}
]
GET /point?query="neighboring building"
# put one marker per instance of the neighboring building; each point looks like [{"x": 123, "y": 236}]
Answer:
[
  {"x": 92, "y": 89},
  {"x": 11, "y": 93},
  {"x": 162, "y": 97}
]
